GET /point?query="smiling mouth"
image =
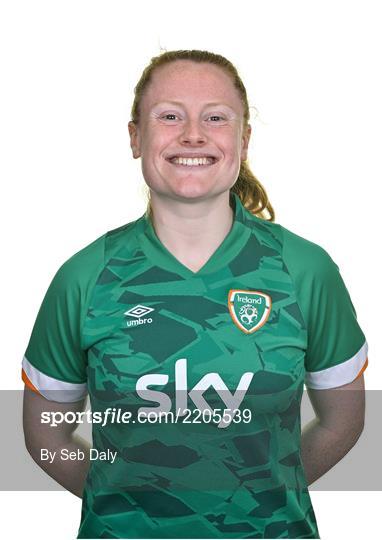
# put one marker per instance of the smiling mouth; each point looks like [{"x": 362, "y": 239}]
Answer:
[{"x": 192, "y": 162}]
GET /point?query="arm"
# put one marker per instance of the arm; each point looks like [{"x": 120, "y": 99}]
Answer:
[
  {"x": 70, "y": 474},
  {"x": 339, "y": 422}
]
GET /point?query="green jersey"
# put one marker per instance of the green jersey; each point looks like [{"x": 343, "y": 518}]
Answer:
[{"x": 218, "y": 357}]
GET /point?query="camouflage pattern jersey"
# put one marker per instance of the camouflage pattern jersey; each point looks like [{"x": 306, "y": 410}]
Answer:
[{"x": 217, "y": 359}]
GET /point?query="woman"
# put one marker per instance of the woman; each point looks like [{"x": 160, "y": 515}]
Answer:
[{"x": 202, "y": 305}]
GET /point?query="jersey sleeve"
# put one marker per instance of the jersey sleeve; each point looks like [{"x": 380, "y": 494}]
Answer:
[
  {"x": 55, "y": 362},
  {"x": 337, "y": 350}
]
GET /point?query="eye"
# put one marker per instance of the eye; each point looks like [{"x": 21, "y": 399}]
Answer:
[
  {"x": 216, "y": 118},
  {"x": 166, "y": 116}
]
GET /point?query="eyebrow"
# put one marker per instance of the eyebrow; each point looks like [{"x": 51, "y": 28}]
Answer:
[{"x": 210, "y": 104}]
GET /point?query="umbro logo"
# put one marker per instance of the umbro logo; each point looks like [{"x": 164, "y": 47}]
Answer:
[{"x": 139, "y": 313}]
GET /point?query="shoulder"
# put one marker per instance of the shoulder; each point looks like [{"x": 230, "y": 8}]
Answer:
[
  {"x": 303, "y": 257},
  {"x": 307, "y": 262},
  {"x": 83, "y": 267},
  {"x": 299, "y": 254}
]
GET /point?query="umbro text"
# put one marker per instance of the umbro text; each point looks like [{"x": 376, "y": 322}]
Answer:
[{"x": 137, "y": 322}]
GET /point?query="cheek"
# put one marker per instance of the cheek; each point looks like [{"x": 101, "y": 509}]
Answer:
[
  {"x": 152, "y": 161},
  {"x": 148, "y": 145},
  {"x": 155, "y": 145},
  {"x": 234, "y": 152},
  {"x": 232, "y": 143}
]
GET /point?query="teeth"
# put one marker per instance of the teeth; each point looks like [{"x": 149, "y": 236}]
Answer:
[{"x": 192, "y": 161}]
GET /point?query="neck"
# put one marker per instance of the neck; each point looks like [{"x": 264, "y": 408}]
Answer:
[{"x": 192, "y": 230}]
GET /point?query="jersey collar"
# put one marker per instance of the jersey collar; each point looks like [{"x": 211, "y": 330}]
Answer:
[{"x": 232, "y": 244}]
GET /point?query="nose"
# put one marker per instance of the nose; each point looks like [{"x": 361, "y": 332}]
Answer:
[{"x": 193, "y": 132}]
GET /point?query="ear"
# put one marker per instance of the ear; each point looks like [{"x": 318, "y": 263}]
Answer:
[
  {"x": 247, "y": 130},
  {"x": 134, "y": 139}
]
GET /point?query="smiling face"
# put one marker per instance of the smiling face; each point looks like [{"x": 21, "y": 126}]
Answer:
[{"x": 191, "y": 135}]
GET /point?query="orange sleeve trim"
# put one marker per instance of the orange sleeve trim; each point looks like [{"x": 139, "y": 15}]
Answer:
[
  {"x": 363, "y": 368},
  {"x": 28, "y": 382}
]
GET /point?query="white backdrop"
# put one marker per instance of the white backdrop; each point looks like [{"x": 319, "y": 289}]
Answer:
[{"x": 68, "y": 69}]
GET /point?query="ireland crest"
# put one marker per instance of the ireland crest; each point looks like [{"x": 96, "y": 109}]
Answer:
[{"x": 249, "y": 309}]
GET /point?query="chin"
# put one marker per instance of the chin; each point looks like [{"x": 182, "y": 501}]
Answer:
[
  {"x": 188, "y": 190},
  {"x": 191, "y": 195}
]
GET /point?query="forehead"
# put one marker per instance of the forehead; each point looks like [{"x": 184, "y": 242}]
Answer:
[{"x": 188, "y": 81}]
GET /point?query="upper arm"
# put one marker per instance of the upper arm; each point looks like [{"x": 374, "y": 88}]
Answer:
[
  {"x": 55, "y": 360},
  {"x": 336, "y": 348},
  {"x": 341, "y": 409}
]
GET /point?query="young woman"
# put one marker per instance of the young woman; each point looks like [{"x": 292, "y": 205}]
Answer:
[{"x": 200, "y": 321}]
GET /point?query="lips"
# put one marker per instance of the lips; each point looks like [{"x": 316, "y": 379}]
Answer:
[{"x": 190, "y": 155}]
